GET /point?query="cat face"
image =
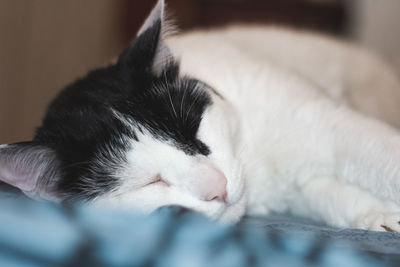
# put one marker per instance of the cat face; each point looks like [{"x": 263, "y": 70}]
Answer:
[
  {"x": 160, "y": 172},
  {"x": 136, "y": 135}
]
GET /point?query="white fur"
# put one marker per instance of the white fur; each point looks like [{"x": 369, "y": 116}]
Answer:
[
  {"x": 301, "y": 128},
  {"x": 306, "y": 105}
]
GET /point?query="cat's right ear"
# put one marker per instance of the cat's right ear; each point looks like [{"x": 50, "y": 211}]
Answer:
[
  {"x": 30, "y": 167},
  {"x": 148, "y": 53}
]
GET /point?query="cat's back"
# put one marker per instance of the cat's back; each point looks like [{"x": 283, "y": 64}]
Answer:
[{"x": 345, "y": 71}]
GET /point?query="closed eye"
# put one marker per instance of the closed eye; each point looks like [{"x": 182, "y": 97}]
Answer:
[{"x": 158, "y": 181}]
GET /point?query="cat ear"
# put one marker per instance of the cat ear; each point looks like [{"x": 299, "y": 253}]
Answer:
[
  {"x": 156, "y": 16},
  {"x": 148, "y": 52},
  {"x": 31, "y": 168}
]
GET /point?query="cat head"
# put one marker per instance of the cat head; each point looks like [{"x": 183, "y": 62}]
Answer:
[{"x": 136, "y": 134}]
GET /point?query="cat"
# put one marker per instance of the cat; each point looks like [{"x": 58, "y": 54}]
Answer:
[{"x": 228, "y": 122}]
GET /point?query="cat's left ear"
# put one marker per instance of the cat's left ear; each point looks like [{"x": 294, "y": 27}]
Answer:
[
  {"x": 32, "y": 168},
  {"x": 148, "y": 52}
]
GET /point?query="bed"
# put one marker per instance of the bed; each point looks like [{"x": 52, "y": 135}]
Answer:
[{"x": 34, "y": 233}]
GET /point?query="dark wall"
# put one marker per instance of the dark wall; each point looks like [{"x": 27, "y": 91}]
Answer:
[
  {"x": 322, "y": 15},
  {"x": 46, "y": 44}
]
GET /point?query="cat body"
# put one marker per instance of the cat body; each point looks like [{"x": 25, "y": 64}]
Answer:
[
  {"x": 235, "y": 121},
  {"x": 295, "y": 114}
]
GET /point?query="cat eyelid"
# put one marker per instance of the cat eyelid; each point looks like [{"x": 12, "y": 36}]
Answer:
[{"x": 157, "y": 180}]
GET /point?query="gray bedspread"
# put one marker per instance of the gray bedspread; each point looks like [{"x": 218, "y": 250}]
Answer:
[{"x": 382, "y": 245}]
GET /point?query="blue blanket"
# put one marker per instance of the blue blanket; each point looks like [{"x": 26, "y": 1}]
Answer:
[{"x": 43, "y": 234}]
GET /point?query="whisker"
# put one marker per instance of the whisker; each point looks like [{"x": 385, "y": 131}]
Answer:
[
  {"x": 191, "y": 106},
  {"x": 182, "y": 101}
]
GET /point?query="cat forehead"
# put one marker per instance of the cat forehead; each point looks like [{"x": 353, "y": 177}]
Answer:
[{"x": 152, "y": 152}]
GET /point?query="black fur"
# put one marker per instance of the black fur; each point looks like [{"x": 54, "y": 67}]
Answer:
[{"x": 81, "y": 125}]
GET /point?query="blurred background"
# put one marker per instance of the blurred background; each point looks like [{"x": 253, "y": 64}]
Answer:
[{"x": 46, "y": 44}]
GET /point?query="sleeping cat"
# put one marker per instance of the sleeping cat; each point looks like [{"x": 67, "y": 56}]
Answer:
[{"x": 242, "y": 120}]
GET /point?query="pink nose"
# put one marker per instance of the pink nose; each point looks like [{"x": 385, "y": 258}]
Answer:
[{"x": 212, "y": 184}]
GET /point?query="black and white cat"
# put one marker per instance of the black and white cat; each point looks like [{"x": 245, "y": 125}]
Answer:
[{"x": 242, "y": 120}]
